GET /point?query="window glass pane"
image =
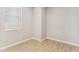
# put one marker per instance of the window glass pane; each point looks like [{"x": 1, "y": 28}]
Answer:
[{"x": 12, "y": 18}]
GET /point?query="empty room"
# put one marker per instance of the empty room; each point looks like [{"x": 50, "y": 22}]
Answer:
[{"x": 39, "y": 29}]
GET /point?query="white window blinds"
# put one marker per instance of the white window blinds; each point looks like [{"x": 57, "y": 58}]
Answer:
[{"x": 13, "y": 18}]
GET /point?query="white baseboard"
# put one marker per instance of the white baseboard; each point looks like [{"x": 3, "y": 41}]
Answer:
[
  {"x": 13, "y": 44},
  {"x": 73, "y": 44},
  {"x": 19, "y": 42},
  {"x": 40, "y": 40}
]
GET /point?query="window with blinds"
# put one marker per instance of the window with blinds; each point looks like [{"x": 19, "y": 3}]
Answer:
[{"x": 13, "y": 18}]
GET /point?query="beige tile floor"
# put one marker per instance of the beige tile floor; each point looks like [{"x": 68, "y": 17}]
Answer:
[{"x": 44, "y": 46}]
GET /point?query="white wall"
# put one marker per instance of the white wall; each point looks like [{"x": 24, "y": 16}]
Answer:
[
  {"x": 44, "y": 25},
  {"x": 38, "y": 23},
  {"x": 2, "y": 33},
  {"x": 62, "y": 23},
  {"x": 33, "y": 25},
  {"x": 22, "y": 34}
]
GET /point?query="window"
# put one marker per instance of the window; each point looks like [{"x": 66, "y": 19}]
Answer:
[{"x": 13, "y": 18}]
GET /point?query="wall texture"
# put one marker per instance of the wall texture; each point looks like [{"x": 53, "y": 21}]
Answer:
[
  {"x": 21, "y": 34},
  {"x": 39, "y": 23},
  {"x": 62, "y": 23}
]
